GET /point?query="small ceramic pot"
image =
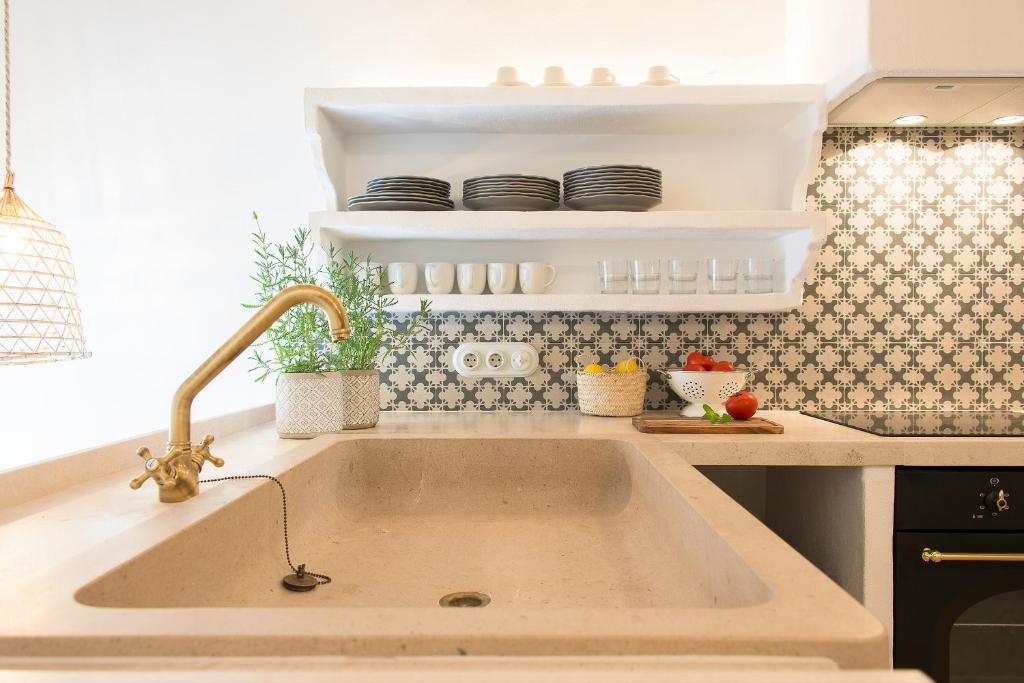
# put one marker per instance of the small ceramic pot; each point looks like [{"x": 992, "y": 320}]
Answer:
[
  {"x": 309, "y": 404},
  {"x": 360, "y": 394}
]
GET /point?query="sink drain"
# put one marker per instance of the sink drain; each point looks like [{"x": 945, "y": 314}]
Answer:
[{"x": 465, "y": 599}]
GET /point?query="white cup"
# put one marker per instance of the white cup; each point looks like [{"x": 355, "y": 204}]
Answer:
[
  {"x": 501, "y": 277},
  {"x": 507, "y": 76},
  {"x": 472, "y": 278},
  {"x": 533, "y": 276},
  {"x": 440, "y": 277},
  {"x": 554, "y": 77},
  {"x": 602, "y": 76},
  {"x": 402, "y": 277},
  {"x": 660, "y": 75}
]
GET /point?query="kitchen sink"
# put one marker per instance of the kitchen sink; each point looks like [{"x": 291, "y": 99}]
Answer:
[
  {"x": 438, "y": 545},
  {"x": 534, "y": 524}
]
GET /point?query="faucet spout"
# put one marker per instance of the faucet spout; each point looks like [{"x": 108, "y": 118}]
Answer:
[
  {"x": 176, "y": 472},
  {"x": 181, "y": 405}
]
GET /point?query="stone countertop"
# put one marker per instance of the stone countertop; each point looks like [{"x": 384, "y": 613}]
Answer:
[
  {"x": 53, "y": 528},
  {"x": 806, "y": 441}
]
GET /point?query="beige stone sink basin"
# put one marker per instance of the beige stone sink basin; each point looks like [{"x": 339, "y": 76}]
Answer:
[
  {"x": 538, "y": 524},
  {"x": 585, "y": 545}
]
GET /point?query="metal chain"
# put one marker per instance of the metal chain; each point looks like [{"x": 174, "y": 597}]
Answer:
[
  {"x": 7, "y": 84},
  {"x": 321, "y": 578}
]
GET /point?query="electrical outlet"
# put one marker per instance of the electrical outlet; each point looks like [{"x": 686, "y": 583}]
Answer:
[{"x": 495, "y": 359}]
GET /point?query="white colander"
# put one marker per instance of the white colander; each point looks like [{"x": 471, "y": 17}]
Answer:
[{"x": 698, "y": 388}]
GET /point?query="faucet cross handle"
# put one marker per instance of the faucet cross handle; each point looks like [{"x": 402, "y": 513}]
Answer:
[
  {"x": 157, "y": 469},
  {"x": 203, "y": 452}
]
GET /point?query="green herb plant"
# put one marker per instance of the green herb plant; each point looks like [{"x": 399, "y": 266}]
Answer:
[{"x": 300, "y": 340}]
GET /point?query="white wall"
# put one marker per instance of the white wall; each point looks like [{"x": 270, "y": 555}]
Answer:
[{"x": 149, "y": 130}]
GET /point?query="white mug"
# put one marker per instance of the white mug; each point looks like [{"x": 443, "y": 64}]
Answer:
[
  {"x": 402, "y": 277},
  {"x": 440, "y": 277},
  {"x": 602, "y": 76},
  {"x": 472, "y": 278},
  {"x": 501, "y": 277},
  {"x": 554, "y": 77},
  {"x": 533, "y": 276},
  {"x": 660, "y": 75},
  {"x": 506, "y": 76}
]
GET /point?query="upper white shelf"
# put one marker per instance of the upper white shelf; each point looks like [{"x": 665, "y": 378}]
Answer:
[
  {"x": 577, "y": 111},
  {"x": 720, "y": 148},
  {"x": 526, "y": 226}
]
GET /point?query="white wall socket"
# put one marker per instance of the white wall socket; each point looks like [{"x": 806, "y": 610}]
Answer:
[{"x": 495, "y": 359}]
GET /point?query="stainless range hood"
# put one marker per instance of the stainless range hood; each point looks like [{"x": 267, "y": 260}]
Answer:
[{"x": 944, "y": 101}]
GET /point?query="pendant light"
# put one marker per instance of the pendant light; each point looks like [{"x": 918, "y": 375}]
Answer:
[{"x": 39, "y": 317}]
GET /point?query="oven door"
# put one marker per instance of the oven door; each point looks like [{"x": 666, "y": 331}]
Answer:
[{"x": 961, "y": 618}]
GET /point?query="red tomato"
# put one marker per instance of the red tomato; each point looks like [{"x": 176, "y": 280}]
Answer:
[
  {"x": 698, "y": 358},
  {"x": 742, "y": 406},
  {"x": 694, "y": 367},
  {"x": 723, "y": 366}
]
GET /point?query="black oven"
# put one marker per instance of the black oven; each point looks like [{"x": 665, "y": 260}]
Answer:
[{"x": 958, "y": 554}]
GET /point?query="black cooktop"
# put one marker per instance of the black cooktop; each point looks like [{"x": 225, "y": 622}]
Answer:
[{"x": 927, "y": 423}]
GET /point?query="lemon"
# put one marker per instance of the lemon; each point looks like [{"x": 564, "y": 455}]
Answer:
[
  {"x": 628, "y": 365},
  {"x": 594, "y": 369}
]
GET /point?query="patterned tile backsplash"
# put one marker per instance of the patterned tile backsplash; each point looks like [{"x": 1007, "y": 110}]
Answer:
[{"x": 916, "y": 302}]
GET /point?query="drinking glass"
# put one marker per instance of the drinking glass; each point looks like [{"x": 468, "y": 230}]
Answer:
[
  {"x": 759, "y": 274},
  {"x": 646, "y": 276},
  {"x": 614, "y": 276},
  {"x": 682, "y": 276},
  {"x": 722, "y": 275}
]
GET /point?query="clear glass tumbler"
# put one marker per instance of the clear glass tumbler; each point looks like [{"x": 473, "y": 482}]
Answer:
[
  {"x": 646, "y": 276},
  {"x": 722, "y": 275},
  {"x": 614, "y": 276},
  {"x": 682, "y": 276},
  {"x": 759, "y": 274}
]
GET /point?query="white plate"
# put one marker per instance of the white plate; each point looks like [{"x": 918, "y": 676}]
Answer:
[
  {"x": 398, "y": 205},
  {"x": 613, "y": 202},
  {"x": 510, "y": 203},
  {"x": 611, "y": 183},
  {"x": 553, "y": 187}
]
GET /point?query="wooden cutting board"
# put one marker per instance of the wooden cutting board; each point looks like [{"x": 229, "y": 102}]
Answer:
[{"x": 673, "y": 423}]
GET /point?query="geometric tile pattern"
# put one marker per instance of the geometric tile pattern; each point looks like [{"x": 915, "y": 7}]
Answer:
[{"x": 916, "y": 302}]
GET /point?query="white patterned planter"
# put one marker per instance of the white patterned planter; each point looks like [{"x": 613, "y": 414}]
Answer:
[
  {"x": 309, "y": 404},
  {"x": 360, "y": 406}
]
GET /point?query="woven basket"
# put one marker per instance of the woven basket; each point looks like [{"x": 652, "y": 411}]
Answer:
[{"x": 611, "y": 394}]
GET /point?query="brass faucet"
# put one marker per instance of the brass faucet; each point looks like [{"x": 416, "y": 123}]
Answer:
[{"x": 176, "y": 473}]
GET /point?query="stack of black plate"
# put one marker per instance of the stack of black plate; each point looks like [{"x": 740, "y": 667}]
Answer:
[
  {"x": 613, "y": 188},
  {"x": 404, "y": 193},
  {"x": 510, "y": 192}
]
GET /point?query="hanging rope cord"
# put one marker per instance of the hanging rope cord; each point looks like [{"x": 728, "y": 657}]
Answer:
[{"x": 7, "y": 86}]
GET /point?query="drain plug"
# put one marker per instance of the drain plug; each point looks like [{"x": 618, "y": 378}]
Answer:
[
  {"x": 300, "y": 581},
  {"x": 465, "y": 599}
]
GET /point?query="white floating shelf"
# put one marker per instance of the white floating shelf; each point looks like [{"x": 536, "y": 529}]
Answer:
[
  {"x": 574, "y": 241},
  {"x": 648, "y": 303},
  {"x": 488, "y": 226},
  {"x": 735, "y": 162}
]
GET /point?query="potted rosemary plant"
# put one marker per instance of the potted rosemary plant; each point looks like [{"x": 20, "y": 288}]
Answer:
[{"x": 325, "y": 386}]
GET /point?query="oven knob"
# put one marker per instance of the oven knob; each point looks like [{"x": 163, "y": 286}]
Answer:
[{"x": 997, "y": 500}]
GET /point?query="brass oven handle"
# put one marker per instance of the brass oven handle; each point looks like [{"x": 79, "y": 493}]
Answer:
[{"x": 929, "y": 555}]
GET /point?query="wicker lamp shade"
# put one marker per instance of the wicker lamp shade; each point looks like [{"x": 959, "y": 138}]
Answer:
[{"x": 39, "y": 317}]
